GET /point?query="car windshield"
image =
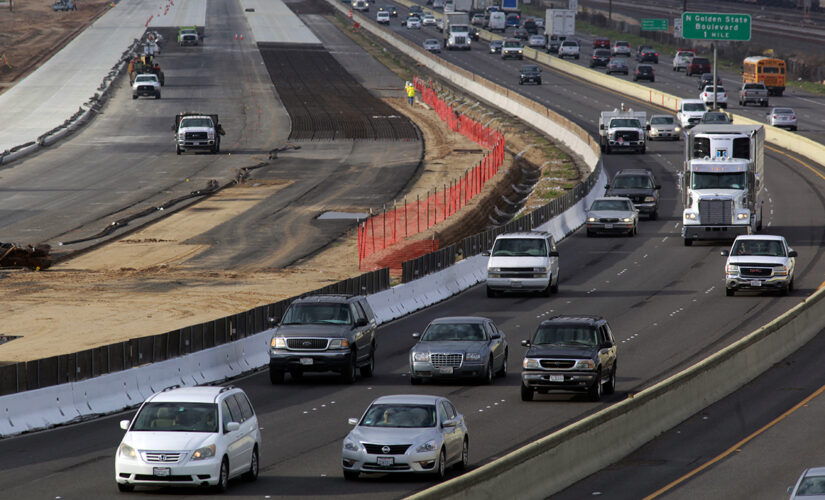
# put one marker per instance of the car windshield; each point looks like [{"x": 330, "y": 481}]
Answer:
[
  {"x": 622, "y": 44},
  {"x": 566, "y": 335},
  {"x": 632, "y": 182},
  {"x": 625, "y": 122},
  {"x": 662, "y": 120},
  {"x": 617, "y": 62},
  {"x": 472, "y": 332},
  {"x": 532, "y": 247},
  {"x": 398, "y": 415},
  {"x": 496, "y": 43},
  {"x": 195, "y": 122},
  {"x": 431, "y": 41},
  {"x": 619, "y": 205},
  {"x": 317, "y": 314},
  {"x": 769, "y": 248},
  {"x": 459, "y": 29},
  {"x": 700, "y": 60},
  {"x": 709, "y": 180},
  {"x": 694, "y": 106},
  {"x": 177, "y": 417},
  {"x": 512, "y": 44}
]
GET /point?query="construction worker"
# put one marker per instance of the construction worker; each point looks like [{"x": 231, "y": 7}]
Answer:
[{"x": 410, "y": 93}]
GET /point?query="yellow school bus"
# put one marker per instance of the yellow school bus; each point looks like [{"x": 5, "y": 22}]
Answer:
[{"x": 761, "y": 69}]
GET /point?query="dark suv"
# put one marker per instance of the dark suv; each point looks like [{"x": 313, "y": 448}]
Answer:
[
  {"x": 600, "y": 57},
  {"x": 707, "y": 79},
  {"x": 322, "y": 333},
  {"x": 530, "y": 73},
  {"x": 640, "y": 186},
  {"x": 570, "y": 353}
]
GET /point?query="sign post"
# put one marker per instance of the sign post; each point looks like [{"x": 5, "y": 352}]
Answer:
[
  {"x": 654, "y": 24},
  {"x": 677, "y": 27}
]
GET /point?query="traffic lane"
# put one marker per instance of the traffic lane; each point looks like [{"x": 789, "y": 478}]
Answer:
[{"x": 718, "y": 434}]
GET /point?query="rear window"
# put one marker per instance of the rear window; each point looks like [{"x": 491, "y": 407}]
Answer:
[
  {"x": 700, "y": 60},
  {"x": 601, "y": 53}
]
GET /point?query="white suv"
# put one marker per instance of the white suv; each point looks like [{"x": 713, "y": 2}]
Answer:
[
  {"x": 192, "y": 436},
  {"x": 527, "y": 261}
]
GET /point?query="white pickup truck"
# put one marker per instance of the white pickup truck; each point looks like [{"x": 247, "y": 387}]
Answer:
[
  {"x": 146, "y": 84},
  {"x": 621, "y": 130}
]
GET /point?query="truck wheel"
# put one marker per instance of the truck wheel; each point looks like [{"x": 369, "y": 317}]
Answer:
[
  {"x": 688, "y": 242},
  {"x": 729, "y": 292},
  {"x": 526, "y": 393},
  {"x": 595, "y": 390},
  {"x": 610, "y": 386},
  {"x": 134, "y": 96},
  {"x": 368, "y": 369},
  {"x": 491, "y": 293},
  {"x": 349, "y": 375},
  {"x": 276, "y": 377},
  {"x": 157, "y": 96},
  {"x": 555, "y": 288},
  {"x": 643, "y": 150},
  {"x": 177, "y": 149}
]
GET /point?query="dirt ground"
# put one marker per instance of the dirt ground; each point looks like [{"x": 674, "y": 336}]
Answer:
[{"x": 144, "y": 277}]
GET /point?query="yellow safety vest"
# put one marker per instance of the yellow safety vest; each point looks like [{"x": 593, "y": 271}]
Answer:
[{"x": 410, "y": 91}]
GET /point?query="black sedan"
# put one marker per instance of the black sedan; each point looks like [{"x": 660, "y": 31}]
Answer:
[
  {"x": 600, "y": 58},
  {"x": 617, "y": 65}
]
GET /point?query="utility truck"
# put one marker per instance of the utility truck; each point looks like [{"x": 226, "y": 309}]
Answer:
[
  {"x": 457, "y": 31},
  {"x": 723, "y": 182},
  {"x": 197, "y": 131},
  {"x": 622, "y": 130}
]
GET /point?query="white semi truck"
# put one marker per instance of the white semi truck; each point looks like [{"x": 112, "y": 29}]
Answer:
[
  {"x": 560, "y": 22},
  {"x": 457, "y": 31},
  {"x": 622, "y": 130},
  {"x": 723, "y": 182}
]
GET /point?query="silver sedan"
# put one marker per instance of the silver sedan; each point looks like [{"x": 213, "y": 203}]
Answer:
[
  {"x": 612, "y": 214},
  {"x": 782, "y": 117},
  {"x": 663, "y": 127},
  {"x": 433, "y": 432},
  {"x": 432, "y": 45},
  {"x": 463, "y": 346}
]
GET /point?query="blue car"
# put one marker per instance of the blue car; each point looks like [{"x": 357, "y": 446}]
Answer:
[{"x": 513, "y": 20}]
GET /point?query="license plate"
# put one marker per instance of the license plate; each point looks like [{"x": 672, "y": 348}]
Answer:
[
  {"x": 161, "y": 471},
  {"x": 756, "y": 283},
  {"x": 515, "y": 284},
  {"x": 608, "y": 226},
  {"x": 385, "y": 461},
  {"x": 555, "y": 378},
  {"x": 445, "y": 370},
  {"x": 306, "y": 361}
]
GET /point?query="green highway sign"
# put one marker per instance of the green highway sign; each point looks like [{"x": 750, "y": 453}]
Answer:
[
  {"x": 654, "y": 24},
  {"x": 716, "y": 26}
]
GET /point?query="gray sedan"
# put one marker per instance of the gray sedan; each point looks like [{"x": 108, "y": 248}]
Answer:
[
  {"x": 782, "y": 117},
  {"x": 459, "y": 347},
  {"x": 434, "y": 433},
  {"x": 612, "y": 214},
  {"x": 432, "y": 44},
  {"x": 617, "y": 65}
]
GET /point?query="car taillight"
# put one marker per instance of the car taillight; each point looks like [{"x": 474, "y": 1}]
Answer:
[
  {"x": 656, "y": 54},
  {"x": 793, "y": 117}
]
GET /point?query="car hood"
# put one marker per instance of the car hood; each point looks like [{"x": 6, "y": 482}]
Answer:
[
  {"x": 629, "y": 192},
  {"x": 609, "y": 214},
  {"x": 450, "y": 346},
  {"x": 757, "y": 259},
  {"x": 503, "y": 261},
  {"x": 393, "y": 435},
  {"x": 558, "y": 351},
  {"x": 312, "y": 330},
  {"x": 198, "y": 129},
  {"x": 166, "y": 441}
]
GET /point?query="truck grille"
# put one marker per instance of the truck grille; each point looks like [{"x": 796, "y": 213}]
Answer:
[
  {"x": 608, "y": 219},
  {"x": 557, "y": 364},
  {"x": 716, "y": 211},
  {"x": 163, "y": 457},
  {"x": 460, "y": 40},
  {"x": 307, "y": 343},
  {"x": 145, "y": 88},
  {"x": 394, "y": 449},
  {"x": 755, "y": 272},
  {"x": 196, "y": 136},
  {"x": 627, "y": 135},
  {"x": 439, "y": 359}
]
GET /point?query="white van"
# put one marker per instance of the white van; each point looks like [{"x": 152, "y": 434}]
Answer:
[
  {"x": 527, "y": 261},
  {"x": 438, "y": 4},
  {"x": 497, "y": 21}
]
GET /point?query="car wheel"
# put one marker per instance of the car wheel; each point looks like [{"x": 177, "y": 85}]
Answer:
[
  {"x": 539, "y": 83},
  {"x": 177, "y": 149},
  {"x": 654, "y": 215},
  {"x": 688, "y": 242},
  {"x": 369, "y": 369},
  {"x": 610, "y": 386},
  {"x": 595, "y": 390},
  {"x": 465, "y": 456},
  {"x": 554, "y": 288},
  {"x": 491, "y": 293},
  {"x": 415, "y": 380},
  {"x": 488, "y": 373},
  {"x": 252, "y": 473},
  {"x": 350, "y": 475},
  {"x": 134, "y": 96},
  {"x": 276, "y": 377},
  {"x": 652, "y": 80},
  {"x": 589, "y": 233},
  {"x": 521, "y": 82},
  {"x": 296, "y": 374},
  {"x": 790, "y": 285},
  {"x": 157, "y": 96},
  {"x": 547, "y": 292},
  {"x": 526, "y": 393},
  {"x": 349, "y": 374},
  {"x": 729, "y": 292},
  {"x": 793, "y": 128},
  {"x": 441, "y": 466},
  {"x": 223, "y": 477},
  {"x": 503, "y": 372},
  {"x": 125, "y": 488}
]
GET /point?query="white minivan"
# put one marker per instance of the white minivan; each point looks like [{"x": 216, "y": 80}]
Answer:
[
  {"x": 497, "y": 21},
  {"x": 525, "y": 261}
]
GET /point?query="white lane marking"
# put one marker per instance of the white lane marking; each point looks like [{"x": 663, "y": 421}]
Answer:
[
  {"x": 621, "y": 272},
  {"x": 665, "y": 239},
  {"x": 591, "y": 291},
  {"x": 809, "y": 100}
]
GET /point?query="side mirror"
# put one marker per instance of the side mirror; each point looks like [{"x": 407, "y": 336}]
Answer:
[
  {"x": 657, "y": 186},
  {"x": 124, "y": 424},
  {"x": 274, "y": 320},
  {"x": 449, "y": 423},
  {"x": 485, "y": 253},
  {"x": 525, "y": 343},
  {"x": 172, "y": 128},
  {"x": 361, "y": 322},
  {"x": 601, "y": 126},
  {"x": 416, "y": 335},
  {"x": 554, "y": 253},
  {"x": 231, "y": 426},
  {"x": 352, "y": 421},
  {"x": 792, "y": 253},
  {"x": 724, "y": 253},
  {"x": 495, "y": 336},
  {"x": 607, "y": 186},
  {"x": 648, "y": 127}
]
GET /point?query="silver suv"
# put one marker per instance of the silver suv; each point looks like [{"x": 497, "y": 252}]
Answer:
[{"x": 512, "y": 48}]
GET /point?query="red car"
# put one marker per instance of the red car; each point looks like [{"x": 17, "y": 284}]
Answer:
[
  {"x": 698, "y": 66},
  {"x": 601, "y": 43}
]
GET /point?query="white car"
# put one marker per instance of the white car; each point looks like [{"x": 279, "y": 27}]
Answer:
[
  {"x": 432, "y": 431},
  {"x": 414, "y": 22},
  {"x": 522, "y": 262},
  {"x": 428, "y": 20},
  {"x": 682, "y": 59},
  {"x": 191, "y": 436},
  {"x": 569, "y": 48},
  {"x": 382, "y": 17},
  {"x": 536, "y": 41},
  {"x": 721, "y": 96},
  {"x": 759, "y": 262},
  {"x": 690, "y": 112}
]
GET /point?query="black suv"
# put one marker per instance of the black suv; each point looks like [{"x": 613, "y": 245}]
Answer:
[
  {"x": 600, "y": 57},
  {"x": 321, "y": 333},
  {"x": 570, "y": 353},
  {"x": 707, "y": 79},
  {"x": 530, "y": 73},
  {"x": 647, "y": 54},
  {"x": 640, "y": 186}
]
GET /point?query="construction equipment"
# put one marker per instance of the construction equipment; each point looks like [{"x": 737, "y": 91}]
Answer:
[
  {"x": 140, "y": 65},
  {"x": 16, "y": 255}
]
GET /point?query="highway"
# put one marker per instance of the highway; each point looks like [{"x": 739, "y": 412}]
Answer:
[{"x": 665, "y": 303}]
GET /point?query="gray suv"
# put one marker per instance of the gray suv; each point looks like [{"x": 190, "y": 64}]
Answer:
[
  {"x": 570, "y": 353},
  {"x": 322, "y": 333},
  {"x": 640, "y": 186}
]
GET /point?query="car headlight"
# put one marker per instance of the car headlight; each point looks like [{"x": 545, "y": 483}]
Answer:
[
  {"x": 780, "y": 270},
  {"x": 530, "y": 363},
  {"x": 493, "y": 269},
  {"x": 519, "y": 51},
  {"x": 627, "y": 219},
  {"x": 430, "y": 445},
  {"x": 677, "y": 129},
  {"x": 732, "y": 269},
  {"x": 649, "y": 199},
  {"x": 278, "y": 342},
  {"x": 473, "y": 356},
  {"x": 591, "y": 219},
  {"x": 743, "y": 216},
  {"x": 127, "y": 451},
  {"x": 541, "y": 269},
  {"x": 352, "y": 445},
  {"x": 421, "y": 356},
  {"x": 205, "y": 452},
  {"x": 584, "y": 364},
  {"x": 339, "y": 344}
]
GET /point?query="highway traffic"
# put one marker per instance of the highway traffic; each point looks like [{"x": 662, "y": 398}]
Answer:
[{"x": 665, "y": 303}]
